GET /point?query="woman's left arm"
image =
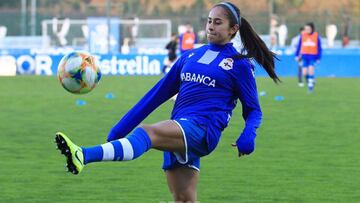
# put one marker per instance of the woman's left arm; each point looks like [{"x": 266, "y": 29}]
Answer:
[
  {"x": 319, "y": 49},
  {"x": 248, "y": 95}
]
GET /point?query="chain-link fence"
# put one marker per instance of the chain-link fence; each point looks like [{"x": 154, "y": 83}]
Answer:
[{"x": 18, "y": 23}]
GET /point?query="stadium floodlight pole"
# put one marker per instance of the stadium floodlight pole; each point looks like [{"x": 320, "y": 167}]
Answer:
[
  {"x": 108, "y": 10},
  {"x": 23, "y": 17},
  {"x": 271, "y": 13},
  {"x": 33, "y": 17}
]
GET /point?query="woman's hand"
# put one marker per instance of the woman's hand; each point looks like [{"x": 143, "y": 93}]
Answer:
[
  {"x": 245, "y": 144},
  {"x": 234, "y": 145}
]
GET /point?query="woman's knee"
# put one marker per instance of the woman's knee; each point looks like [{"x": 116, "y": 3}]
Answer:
[
  {"x": 188, "y": 195},
  {"x": 146, "y": 127},
  {"x": 182, "y": 184},
  {"x": 165, "y": 135},
  {"x": 151, "y": 131}
]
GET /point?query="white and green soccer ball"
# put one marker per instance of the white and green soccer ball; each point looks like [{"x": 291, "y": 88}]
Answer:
[{"x": 79, "y": 72}]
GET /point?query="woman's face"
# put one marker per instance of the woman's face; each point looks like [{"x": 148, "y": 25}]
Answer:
[
  {"x": 307, "y": 29},
  {"x": 218, "y": 30}
]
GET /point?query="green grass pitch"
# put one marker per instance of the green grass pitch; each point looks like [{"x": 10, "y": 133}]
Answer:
[{"x": 307, "y": 149}]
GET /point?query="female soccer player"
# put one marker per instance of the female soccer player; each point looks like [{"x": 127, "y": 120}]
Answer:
[
  {"x": 187, "y": 40},
  {"x": 209, "y": 80},
  {"x": 309, "y": 52},
  {"x": 171, "y": 47},
  {"x": 294, "y": 45}
]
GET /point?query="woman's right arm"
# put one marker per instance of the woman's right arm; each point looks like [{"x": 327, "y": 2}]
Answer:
[{"x": 167, "y": 87}]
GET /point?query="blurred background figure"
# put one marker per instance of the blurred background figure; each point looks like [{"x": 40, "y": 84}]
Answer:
[
  {"x": 294, "y": 44},
  {"x": 282, "y": 31},
  {"x": 125, "y": 47},
  {"x": 171, "y": 57},
  {"x": 309, "y": 52},
  {"x": 331, "y": 31},
  {"x": 201, "y": 37},
  {"x": 273, "y": 31},
  {"x": 346, "y": 28},
  {"x": 187, "y": 39}
]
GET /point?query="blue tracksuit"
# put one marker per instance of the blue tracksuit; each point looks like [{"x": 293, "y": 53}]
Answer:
[{"x": 209, "y": 80}]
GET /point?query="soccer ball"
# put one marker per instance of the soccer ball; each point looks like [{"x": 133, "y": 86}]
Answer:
[{"x": 79, "y": 72}]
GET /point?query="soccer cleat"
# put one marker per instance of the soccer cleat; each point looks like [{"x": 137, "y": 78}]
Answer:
[{"x": 73, "y": 153}]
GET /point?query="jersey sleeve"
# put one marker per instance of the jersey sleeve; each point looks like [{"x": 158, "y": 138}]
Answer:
[
  {"x": 318, "y": 56},
  {"x": 180, "y": 42},
  {"x": 247, "y": 93},
  {"x": 167, "y": 87},
  {"x": 297, "y": 53}
]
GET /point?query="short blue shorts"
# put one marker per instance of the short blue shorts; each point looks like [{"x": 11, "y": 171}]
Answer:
[
  {"x": 308, "y": 62},
  {"x": 195, "y": 146}
]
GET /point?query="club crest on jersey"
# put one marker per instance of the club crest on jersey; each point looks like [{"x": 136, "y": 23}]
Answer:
[{"x": 227, "y": 63}]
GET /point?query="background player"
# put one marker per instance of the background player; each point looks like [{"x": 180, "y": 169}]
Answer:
[
  {"x": 187, "y": 39},
  {"x": 309, "y": 52},
  {"x": 171, "y": 47},
  {"x": 294, "y": 45}
]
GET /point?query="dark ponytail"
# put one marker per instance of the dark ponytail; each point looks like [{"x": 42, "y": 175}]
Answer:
[
  {"x": 257, "y": 49},
  {"x": 254, "y": 47}
]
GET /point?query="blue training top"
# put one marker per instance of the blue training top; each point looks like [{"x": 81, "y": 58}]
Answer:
[{"x": 209, "y": 81}]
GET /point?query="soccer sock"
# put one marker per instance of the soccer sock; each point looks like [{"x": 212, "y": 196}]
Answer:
[
  {"x": 311, "y": 82},
  {"x": 300, "y": 74},
  {"x": 123, "y": 149}
]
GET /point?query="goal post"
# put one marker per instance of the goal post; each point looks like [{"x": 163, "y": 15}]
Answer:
[{"x": 92, "y": 34}]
